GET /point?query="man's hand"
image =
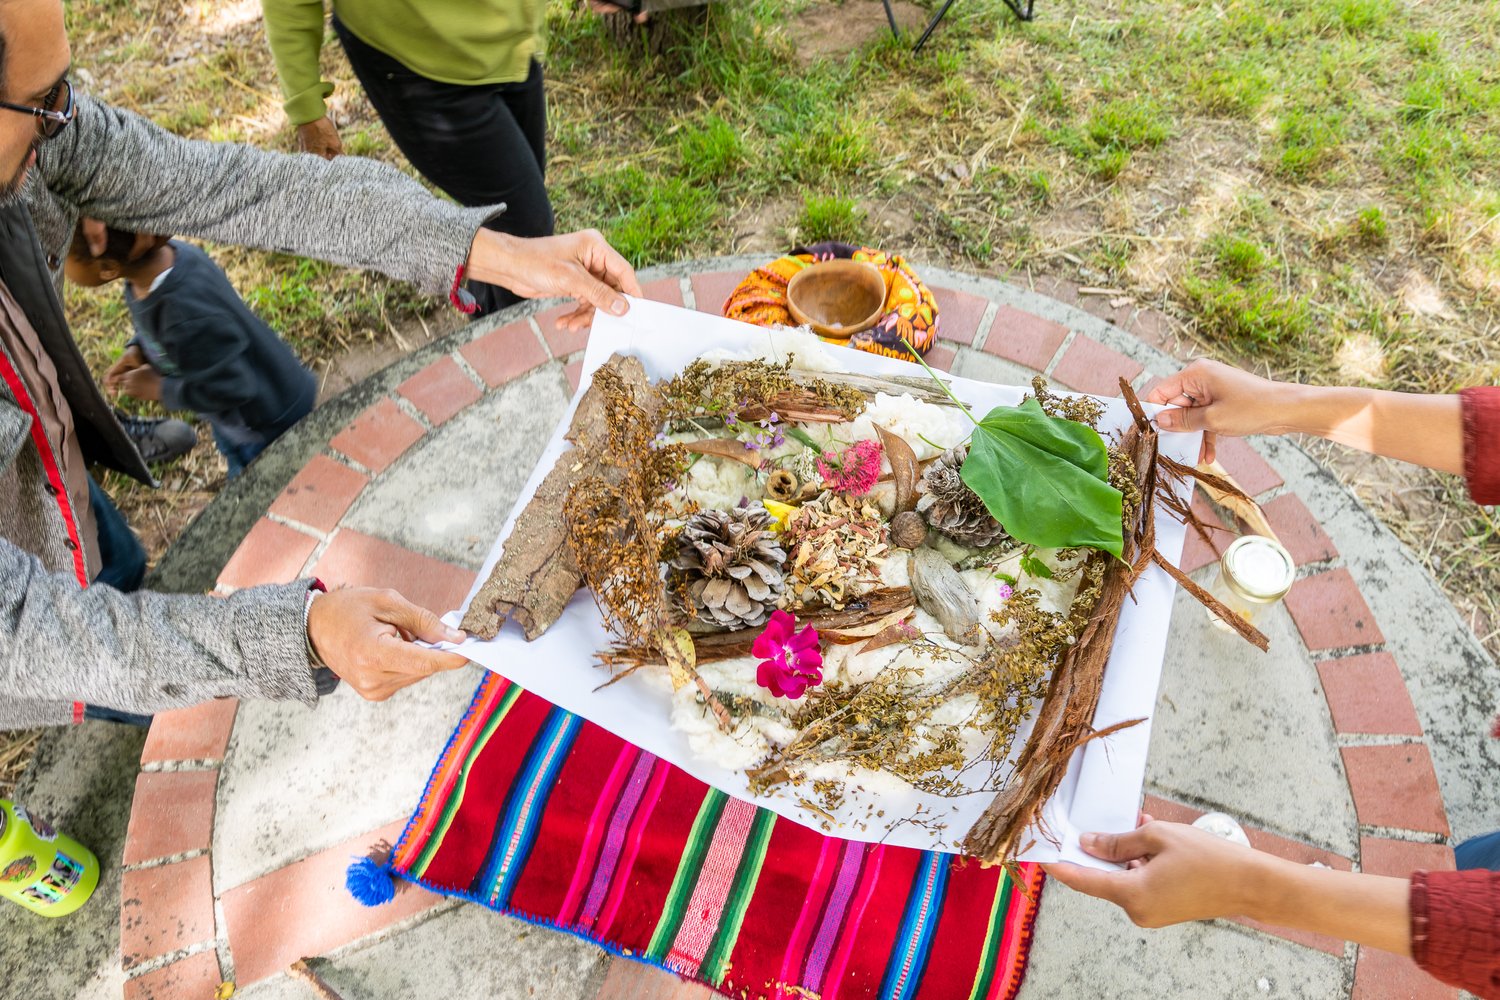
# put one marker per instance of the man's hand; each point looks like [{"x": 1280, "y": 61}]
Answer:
[
  {"x": 96, "y": 236},
  {"x": 365, "y": 636},
  {"x": 142, "y": 383},
  {"x": 1176, "y": 873},
  {"x": 1219, "y": 399},
  {"x": 578, "y": 265},
  {"x": 132, "y": 359},
  {"x": 320, "y": 138}
]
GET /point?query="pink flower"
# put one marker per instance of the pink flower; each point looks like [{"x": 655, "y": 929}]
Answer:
[
  {"x": 1006, "y": 590},
  {"x": 854, "y": 471},
  {"x": 790, "y": 660}
]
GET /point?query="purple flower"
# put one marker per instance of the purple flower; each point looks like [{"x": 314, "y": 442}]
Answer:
[
  {"x": 790, "y": 660},
  {"x": 1005, "y": 591}
]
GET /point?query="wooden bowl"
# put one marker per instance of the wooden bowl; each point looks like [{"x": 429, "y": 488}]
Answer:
[{"x": 837, "y": 298}]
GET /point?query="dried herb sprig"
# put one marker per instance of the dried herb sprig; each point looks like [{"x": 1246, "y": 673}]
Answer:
[{"x": 752, "y": 390}]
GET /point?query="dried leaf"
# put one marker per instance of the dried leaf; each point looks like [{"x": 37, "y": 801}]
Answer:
[
  {"x": 725, "y": 448},
  {"x": 676, "y": 646},
  {"x": 904, "y": 467}
]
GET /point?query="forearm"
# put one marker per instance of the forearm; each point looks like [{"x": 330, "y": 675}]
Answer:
[
  {"x": 1351, "y": 906},
  {"x": 117, "y": 167},
  {"x": 1412, "y": 427},
  {"x": 294, "y": 31},
  {"x": 145, "y": 652}
]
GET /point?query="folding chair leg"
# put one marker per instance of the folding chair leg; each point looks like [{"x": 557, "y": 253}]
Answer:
[
  {"x": 931, "y": 25},
  {"x": 890, "y": 15}
]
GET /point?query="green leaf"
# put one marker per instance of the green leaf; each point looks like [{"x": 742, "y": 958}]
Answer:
[
  {"x": 1032, "y": 566},
  {"x": 798, "y": 434},
  {"x": 1045, "y": 479}
]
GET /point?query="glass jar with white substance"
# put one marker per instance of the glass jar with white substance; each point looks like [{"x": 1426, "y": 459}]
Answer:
[{"x": 1254, "y": 572}]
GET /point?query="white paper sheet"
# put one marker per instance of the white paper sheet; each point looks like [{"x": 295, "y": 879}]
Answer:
[{"x": 1103, "y": 786}]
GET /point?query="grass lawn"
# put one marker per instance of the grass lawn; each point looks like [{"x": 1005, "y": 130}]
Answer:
[{"x": 1311, "y": 188}]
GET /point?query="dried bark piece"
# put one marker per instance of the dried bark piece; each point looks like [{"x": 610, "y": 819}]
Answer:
[{"x": 537, "y": 574}]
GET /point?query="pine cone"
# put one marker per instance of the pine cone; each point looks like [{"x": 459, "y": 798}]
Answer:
[
  {"x": 731, "y": 562},
  {"x": 951, "y": 507}
]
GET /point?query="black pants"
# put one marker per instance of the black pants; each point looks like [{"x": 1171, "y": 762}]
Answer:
[{"x": 480, "y": 144}]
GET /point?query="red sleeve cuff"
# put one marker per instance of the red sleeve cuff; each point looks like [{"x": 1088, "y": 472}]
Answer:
[
  {"x": 1481, "y": 415},
  {"x": 1455, "y": 928}
]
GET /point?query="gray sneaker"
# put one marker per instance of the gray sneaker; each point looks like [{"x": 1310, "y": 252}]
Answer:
[{"x": 159, "y": 439}]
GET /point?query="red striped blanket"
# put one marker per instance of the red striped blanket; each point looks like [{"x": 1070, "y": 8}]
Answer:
[{"x": 534, "y": 812}]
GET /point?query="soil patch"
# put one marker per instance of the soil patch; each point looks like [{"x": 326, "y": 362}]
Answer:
[{"x": 831, "y": 32}]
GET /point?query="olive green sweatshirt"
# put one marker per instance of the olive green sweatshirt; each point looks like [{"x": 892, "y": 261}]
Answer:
[{"x": 451, "y": 41}]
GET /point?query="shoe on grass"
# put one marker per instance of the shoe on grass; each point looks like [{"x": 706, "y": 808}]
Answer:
[{"x": 159, "y": 439}]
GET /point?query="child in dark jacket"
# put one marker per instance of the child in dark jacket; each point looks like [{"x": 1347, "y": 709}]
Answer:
[{"x": 197, "y": 346}]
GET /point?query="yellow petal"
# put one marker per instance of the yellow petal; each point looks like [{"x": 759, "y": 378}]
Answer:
[{"x": 779, "y": 511}]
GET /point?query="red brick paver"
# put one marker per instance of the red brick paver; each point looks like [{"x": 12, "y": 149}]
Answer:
[
  {"x": 165, "y": 909},
  {"x": 197, "y": 733},
  {"x": 668, "y": 290},
  {"x": 1024, "y": 338},
  {"x": 192, "y": 978},
  {"x": 440, "y": 390},
  {"x": 379, "y": 436},
  {"x": 1366, "y": 694},
  {"x": 321, "y": 493},
  {"x": 1379, "y": 975},
  {"x": 172, "y": 813},
  {"x": 502, "y": 354},
  {"x": 1399, "y": 858},
  {"x": 959, "y": 314},
  {"x": 940, "y": 356},
  {"x": 1395, "y": 786},
  {"x": 1090, "y": 366},
  {"x": 561, "y": 342},
  {"x": 1197, "y": 551},
  {"x": 1243, "y": 462},
  {"x": 1298, "y": 530},
  {"x": 270, "y": 553},
  {"x": 355, "y": 558},
  {"x": 1330, "y": 612},
  {"x": 710, "y": 290},
  {"x": 304, "y": 909}
]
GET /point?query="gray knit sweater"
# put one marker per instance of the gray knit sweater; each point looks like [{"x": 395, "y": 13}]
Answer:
[
  {"x": 117, "y": 166},
  {"x": 60, "y": 643}
]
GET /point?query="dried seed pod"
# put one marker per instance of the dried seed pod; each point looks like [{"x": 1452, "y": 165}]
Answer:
[
  {"x": 783, "y": 486},
  {"x": 908, "y": 530}
]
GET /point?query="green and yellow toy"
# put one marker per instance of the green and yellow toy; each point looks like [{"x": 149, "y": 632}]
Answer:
[{"x": 45, "y": 871}]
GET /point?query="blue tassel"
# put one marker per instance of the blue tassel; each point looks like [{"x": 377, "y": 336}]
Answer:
[{"x": 370, "y": 883}]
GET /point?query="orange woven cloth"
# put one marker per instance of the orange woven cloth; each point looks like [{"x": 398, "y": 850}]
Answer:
[{"x": 911, "y": 313}]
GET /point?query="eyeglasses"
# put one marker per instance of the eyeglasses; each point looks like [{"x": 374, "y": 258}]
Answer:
[{"x": 50, "y": 121}]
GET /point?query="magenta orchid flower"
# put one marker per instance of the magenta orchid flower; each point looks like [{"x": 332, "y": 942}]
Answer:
[{"x": 790, "y": 660}]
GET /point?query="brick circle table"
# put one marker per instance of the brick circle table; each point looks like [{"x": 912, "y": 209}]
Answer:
[{"x": 1340, "y": 747}]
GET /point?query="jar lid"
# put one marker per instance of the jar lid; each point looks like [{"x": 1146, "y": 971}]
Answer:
[{"x": 1260, "y": 569}]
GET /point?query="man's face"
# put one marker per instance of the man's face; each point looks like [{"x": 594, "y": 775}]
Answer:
[{"x": 36, "y": 57}]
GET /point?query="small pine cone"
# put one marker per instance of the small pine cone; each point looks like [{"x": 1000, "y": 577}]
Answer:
[{"x": 950, "y": 506}]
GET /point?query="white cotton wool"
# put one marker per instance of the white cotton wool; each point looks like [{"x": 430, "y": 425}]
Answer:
[
  {"x": 808, "y": 352},
  {"x": 736, "y": 750},
  {"x": 929, "y": 429}
]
